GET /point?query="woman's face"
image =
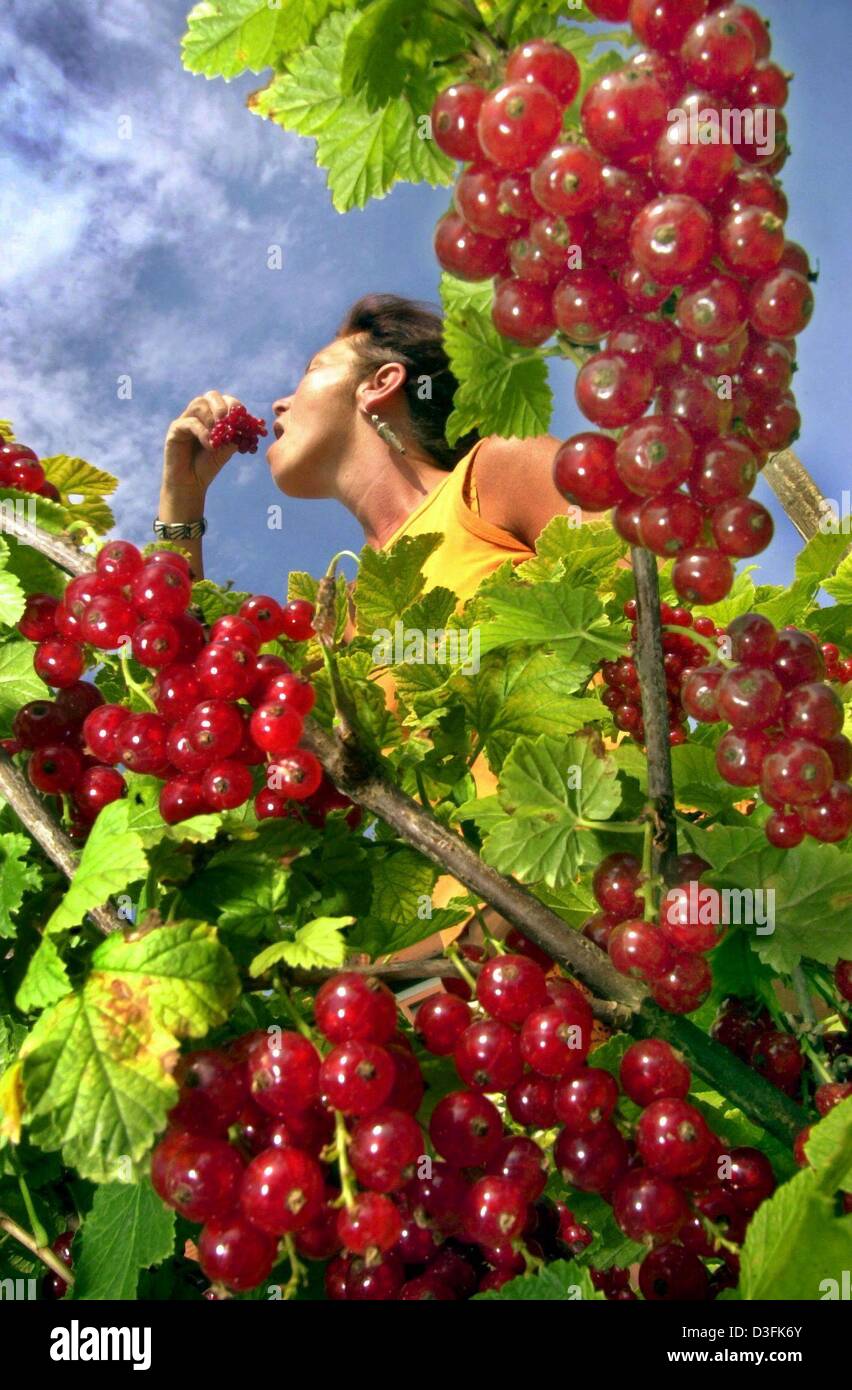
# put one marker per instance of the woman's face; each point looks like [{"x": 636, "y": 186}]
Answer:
[{"x": 314, "y": 426}]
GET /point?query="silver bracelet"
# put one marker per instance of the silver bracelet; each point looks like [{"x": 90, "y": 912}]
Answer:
[{"x": 179, "y": 530}]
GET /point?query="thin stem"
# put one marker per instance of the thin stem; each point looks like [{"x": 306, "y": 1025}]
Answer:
[
  {"x": 293, "y": 1012},
  {"x": 497, "y": 947},
  {"x": 421, "y": 787},
  {"x": 612, "y": 827},
  {"x": 39, "y": 1233},
  {"x": 648, "y": 886},
  {"x": 341, "y": 1140},
  {"x": 297, "y": 1269},
  {"x": 803, "y": 998},
  {"x": 138, "y": 690},
  {"x": 454, "y": 955},
  {"x": 41, "y": 1250}
]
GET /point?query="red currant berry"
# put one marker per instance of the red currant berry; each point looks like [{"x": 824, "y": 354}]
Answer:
[
  {"x": 592, "y": 1162},
  {"x": 685, "y": 985},
  {"x": 673, "y": 1274},
  {"x": 584, "y": 1101},
  {"x": 454, "y": 117},
  {"x": 672, "y": 239},
  {"x": 830, "y": 818},
  {"x": 549, "y": 65},
  {"x": 283, "y": 1074},
  {"x": 201, "y": 1177},
  {"x": 672, "y": 1137},
  {"x": 37, "y": 621},
  {"x": 353, "y": 1006},
  {"x": 814, "y": 711},
  {"x": 702, "y": 576},
  {"x": 465, "y": 1128},
  {"x": 282, "y": 1190},
  {"x": 615, "y": 885},
  {"x": 511, "y": 987},
  {"x": 517, "y": 124},
  {"x": 276, "y": 727},
  {"x": 214, "y": 728},
  {"x": 613, "y": 390},
  {"x": 669, "y": 522},
  {"x": 654, "y": 455},
  {"x": 796, "y": 772},
  {"x": 587, "y": 305},
  {"x": 781, "y": 304},
  {"x": 356, "y": 1078},
  {"x": 523, "y": 311},
  {"x": 465, "y": 253},
  {"x": 584, "y": 472},
  {"x": 652, "y": 1070},
  {"x": 663, "y": 24},
  {"x": 233, "y": 1252},
  {"x": 648, "y": 1206},
  {"x": 59, "y": 662},
  {"x": 711, "y": 309},
  {"x": 488, "y": 1056},
  {"x": 161, "y": 590},
  {"x": 55, "y": 768},
  {"x": 180, "y": 799},
  {"x": 384, "y": 1149},
  {"x": 297, "y": 775}
]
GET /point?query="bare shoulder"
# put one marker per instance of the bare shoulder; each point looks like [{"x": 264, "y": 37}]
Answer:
[{"x": 514, "y": 479}]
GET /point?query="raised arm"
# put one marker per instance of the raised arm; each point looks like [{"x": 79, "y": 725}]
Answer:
[{"x": 190, "y": 465}]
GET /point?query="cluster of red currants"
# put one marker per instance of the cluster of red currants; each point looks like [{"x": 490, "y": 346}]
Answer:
[
  {"x": 279, "y": 1137},
  {"x": 237, "y": 428},
  {"x": 218, "y": 705},
  {"x": 622, "y": 695},
  {"x": 785, "y": 732},
  {"x": 665, "y": 242},
  {"x": 20, "y": 469},
  {"x": 666, "y": 954}
]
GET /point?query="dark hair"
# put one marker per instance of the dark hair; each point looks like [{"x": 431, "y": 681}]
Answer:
[{"x": 388, "y": 328}]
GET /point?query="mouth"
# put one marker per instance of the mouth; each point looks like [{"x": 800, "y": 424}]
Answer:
[{"x": 278, "y": 429}]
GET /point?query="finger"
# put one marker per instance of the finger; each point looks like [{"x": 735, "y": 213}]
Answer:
[
  {"x": 189, "y": 426},
  {"x": 218, "y": 404},
  {"x": 200, "y": 409}
]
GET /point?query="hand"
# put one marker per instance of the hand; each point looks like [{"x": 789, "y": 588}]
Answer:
[{"x": 189, "y": 464}]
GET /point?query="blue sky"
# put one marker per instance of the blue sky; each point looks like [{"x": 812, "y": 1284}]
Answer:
[{"x": 147, "y": 256}]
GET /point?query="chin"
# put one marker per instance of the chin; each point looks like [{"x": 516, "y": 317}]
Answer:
[{"x": 291, "y": 475}]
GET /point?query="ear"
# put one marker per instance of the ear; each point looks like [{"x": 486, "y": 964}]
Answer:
[{"x": 379, "y": 390}]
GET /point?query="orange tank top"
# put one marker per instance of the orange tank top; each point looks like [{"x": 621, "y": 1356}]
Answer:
[{"x": 472, "y": 549}]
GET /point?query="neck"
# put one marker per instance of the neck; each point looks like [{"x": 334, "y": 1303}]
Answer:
[{"x": 381, "y": 487}]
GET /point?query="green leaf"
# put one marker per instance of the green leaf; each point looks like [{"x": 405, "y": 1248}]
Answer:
[
  {"x": 524, "y": 691},
  {"x": 112, "y": 858},
  {"x": 562, "y": 1281},
  {"x": 697, "y": 782},
  {"x": 559, "y": 614},
  {"x": 18, "y": 681},
  {"x": 319, "y": 944},
  {"x": 400, "y": 912},
  {"x": 83, "y": 489},
  {"x": 96, "y": 1066},
  {"x": 545, "y": 788},
  {"x": 365, "y": 152},
  {"x": 46, "y": 980},
  {"x": 227, "y": 37},
  {"x": 31, "y": 510},
  {"x": 840, "y": 583},
  {"x": 586, "y": 553},
  {"x": 801, "y": 1217},
  {"x": 37, "y": 574},
  {"x": 811, "y": 887},
  {"x": 244, "y": 885},
  {"x": 503, "y": 387},
  {"x": 127, "y": 1230},
  {"x": 393, "y": 42},
  {"x": 389, "y": 581},
  {"x": 819, "y": 559},
  {"x": 214, "y": 601},
  {"x": 12, "y": 598},
  {"x": 16, "y": 876}
]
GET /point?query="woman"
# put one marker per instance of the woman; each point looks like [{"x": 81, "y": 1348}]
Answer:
[{"x": 366, "y": 426}]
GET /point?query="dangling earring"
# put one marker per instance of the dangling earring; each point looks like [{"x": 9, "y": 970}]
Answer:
[{"x": 384, "y": 431}]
